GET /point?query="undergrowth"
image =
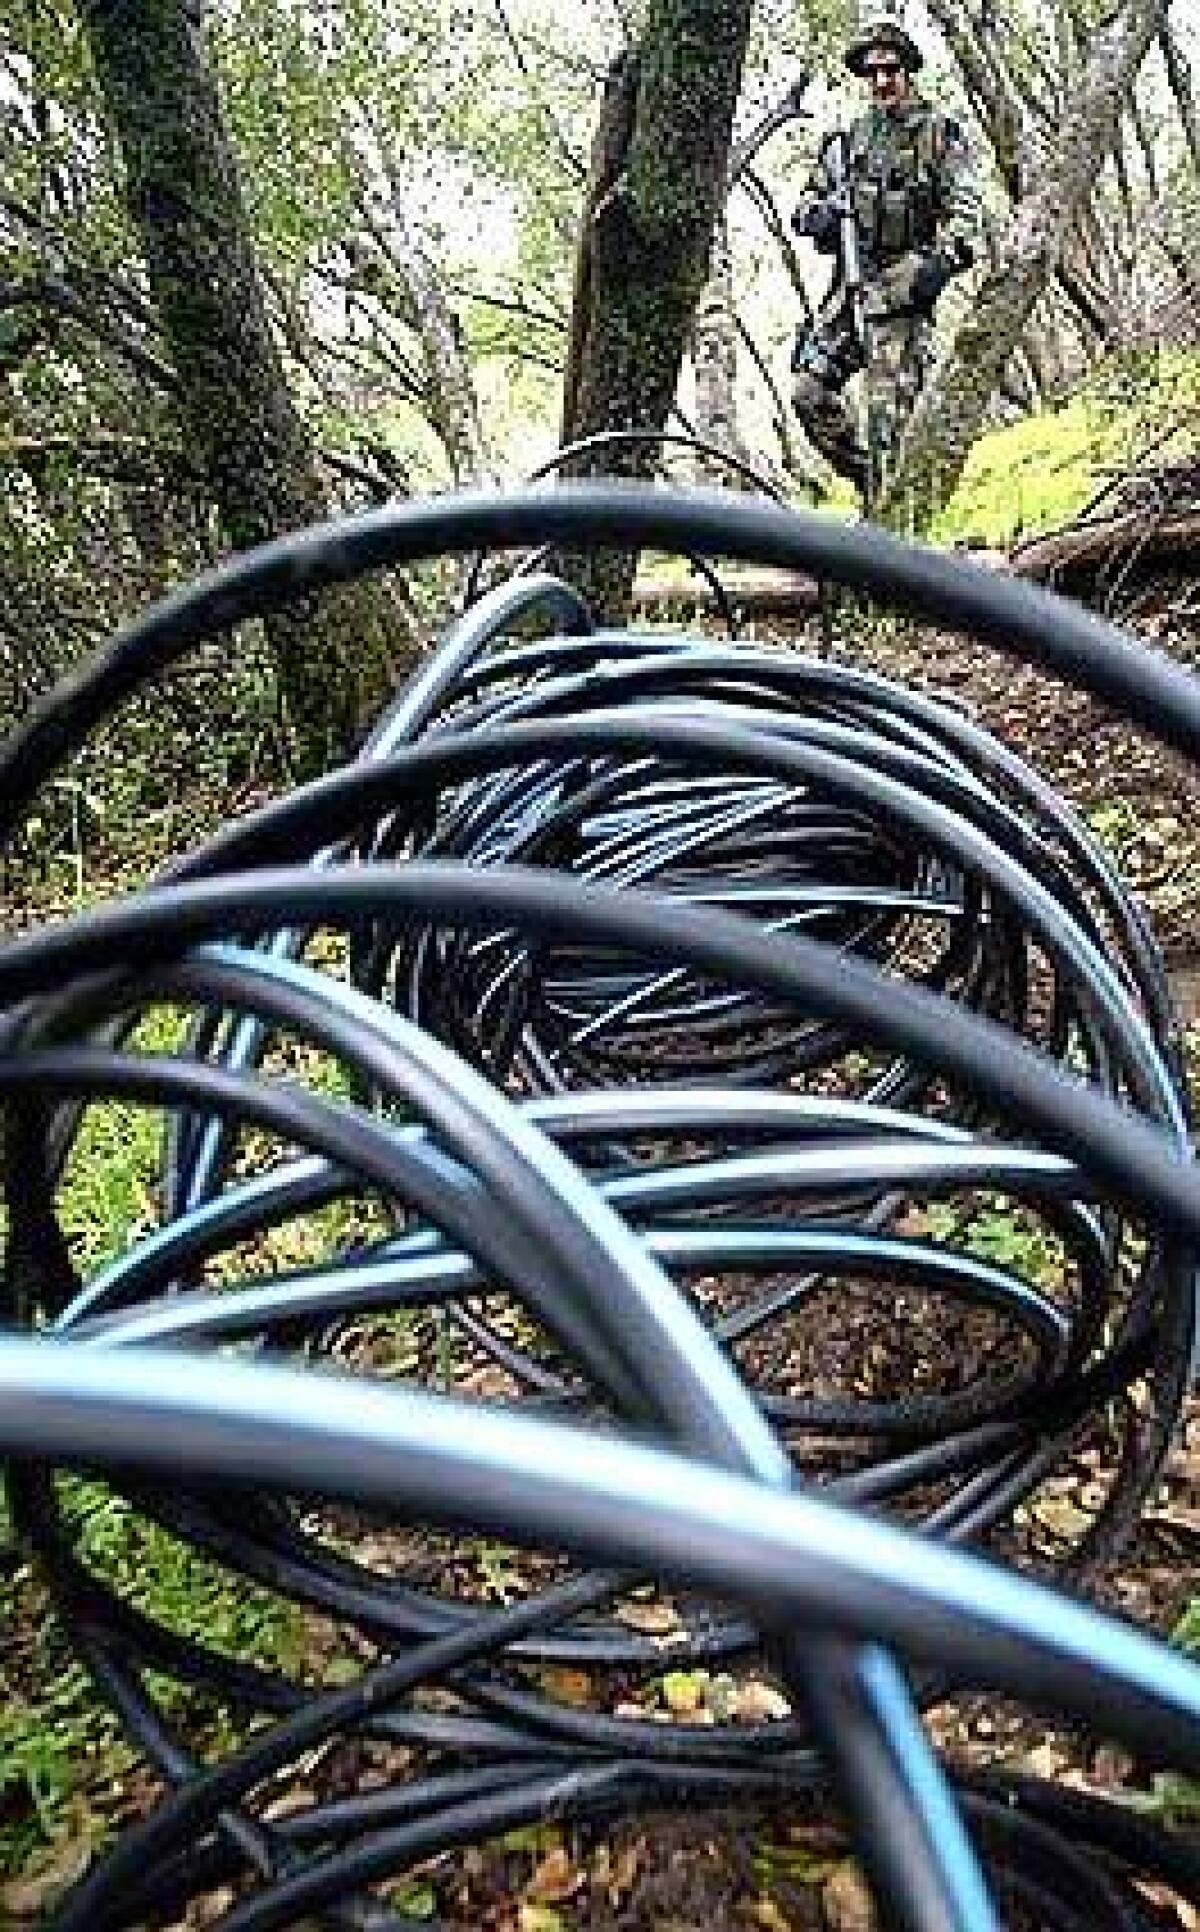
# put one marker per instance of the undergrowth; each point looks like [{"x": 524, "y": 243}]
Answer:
[
  {"x": 64, "y": 1764},
  {"x": 1039, "y": 472}
]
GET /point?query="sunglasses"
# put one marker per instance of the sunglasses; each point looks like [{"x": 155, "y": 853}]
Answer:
[{"x": 883, "y": 70}]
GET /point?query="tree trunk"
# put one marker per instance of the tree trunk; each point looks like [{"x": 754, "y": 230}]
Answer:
[
  {"x": 951, "y": 413},
  {"x": 990, "y": 87},
  {"x": 335, "y": 658},
  {"x": 1179, "y": 79},
  {"x": 717, "y": 327},
  {"x": 714, "y": 358},
  {"x": 657, "y": 186}
]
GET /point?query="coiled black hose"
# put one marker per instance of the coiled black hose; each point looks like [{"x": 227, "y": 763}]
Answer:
[{"x": 688, "y": 999}]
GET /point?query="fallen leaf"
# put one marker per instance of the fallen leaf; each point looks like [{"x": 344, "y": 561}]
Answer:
[
  {"x": 1044, "y": 1761},
  {"x": 569, "y": 1686},
  {"x": 1176, "y": 1516},
  {"x": 759, "y": 1703},
  {"x": 555, "y": 1876},
  {"x": 683, "y": 1691},
  {"x": 847, "y": 1902},
  {"x": 30, "y": 1897},
  {"x": 656, "y": 1618},
  {"x": 765, "y": 1911},
  {"x": 539, "y": 1918},
  {"x": 1063, "y": 1517}
]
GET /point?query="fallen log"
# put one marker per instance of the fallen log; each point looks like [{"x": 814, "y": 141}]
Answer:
[
  {"x": 748, "y": 593},
  {"x": 1073, "y": 557}
]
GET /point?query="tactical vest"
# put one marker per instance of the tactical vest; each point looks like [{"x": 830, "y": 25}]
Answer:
[{"x": 895, "y": 169}]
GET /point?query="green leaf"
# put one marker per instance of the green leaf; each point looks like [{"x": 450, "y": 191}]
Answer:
[
  {"x": 1187, "y": 1631},
  {"x": 418, "y": 1900}
]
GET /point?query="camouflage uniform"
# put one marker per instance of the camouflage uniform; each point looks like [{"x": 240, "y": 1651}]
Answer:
[{"x": 919, "y": 217}]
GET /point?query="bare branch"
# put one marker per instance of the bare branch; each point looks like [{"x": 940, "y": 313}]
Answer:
[
  {"x": 1017, "y": 58},
  {"x": 790, "y": 108},
  {"x": 989, "y": 89},
  {"x": 565, "y": 151},
  {"x": 407, "y": 278},
  {"x": 379, "y": 484},
  {"x": 1124, "y": 184},
  {"x": 1179, "y": 80},
  {"x": 94, "y": 280},
  {"x": 952, "y": 408},
  {"x": 511, "y": 305},
  {"x": 1145, "y": 141},
  {"x": 571, "y": 59},
  {"x": 120, "y": 458},
  {"x": 1088, "y": 299},
  {"x": 49, "y": 292},
  {"x": 780, "y": 234},
  {"x": 780, "y": 414}
]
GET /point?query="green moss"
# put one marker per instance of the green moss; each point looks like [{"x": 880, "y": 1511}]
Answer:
[
  {"x": 1039, "y": 472},
  {"x": 1031, "y": 475}
]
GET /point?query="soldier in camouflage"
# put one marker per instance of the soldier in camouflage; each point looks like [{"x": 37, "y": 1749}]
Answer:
[{"x": 918, "y": 216}]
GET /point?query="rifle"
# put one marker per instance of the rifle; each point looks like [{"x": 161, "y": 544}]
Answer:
[
  {"x": 877, "y": 434},
  {"x": 849, "y": 252}
]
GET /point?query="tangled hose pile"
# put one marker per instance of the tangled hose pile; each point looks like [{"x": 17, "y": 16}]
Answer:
[{"x": 587, "y": 1118}]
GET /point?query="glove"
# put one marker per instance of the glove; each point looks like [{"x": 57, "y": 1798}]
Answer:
[
  {"x": 930, "y": 277},
  {"x": 820, "y": 221}
]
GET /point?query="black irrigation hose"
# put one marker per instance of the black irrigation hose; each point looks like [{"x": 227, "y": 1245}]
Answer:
[{"x": 784, "y": 988}]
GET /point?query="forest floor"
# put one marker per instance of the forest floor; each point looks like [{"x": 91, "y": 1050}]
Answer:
[{"x": 786, "y": 1873}]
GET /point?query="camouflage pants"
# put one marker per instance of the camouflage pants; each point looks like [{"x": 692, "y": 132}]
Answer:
[{"x": 896, "y": 357}]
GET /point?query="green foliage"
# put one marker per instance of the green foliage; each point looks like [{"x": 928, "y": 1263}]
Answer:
[
  {"x": 155, "y": 1572},
  {"x": 62, "y": 1755},
  {"x": 56, "y": 1741},
  {"x": 995, "y": 1230},
  {"x": 474, "y": 147},
  {"x": 1028, "y": 476},
  {"x": 1041, "y": 471},
  {"x": 417, "y": 1900},
  {"x": 100, "y": 511},
  {"x": 108, "y": 1192},
  {"x": 1115, "y": 821},
  {"x": 1187, "y": 1631},
  {"x": 1175, "y": 1797}
]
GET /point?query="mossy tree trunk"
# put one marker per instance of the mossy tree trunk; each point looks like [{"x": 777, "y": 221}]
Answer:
[
  {"x": 657, "y": 187},
  {"x": 336, "y": 659}
]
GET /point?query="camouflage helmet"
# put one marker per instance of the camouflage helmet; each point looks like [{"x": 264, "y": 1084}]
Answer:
[{"x": 888, "y": 34}]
